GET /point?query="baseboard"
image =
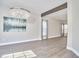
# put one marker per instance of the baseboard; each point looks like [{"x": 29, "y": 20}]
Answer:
[
  {"x": 73, "y": 50},
  {"x": 3, "y": 44},
  {"x": 54, "y": 36}
]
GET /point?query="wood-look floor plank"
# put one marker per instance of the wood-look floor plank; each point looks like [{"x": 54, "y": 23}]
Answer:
[{"x": 51, "y": 48}]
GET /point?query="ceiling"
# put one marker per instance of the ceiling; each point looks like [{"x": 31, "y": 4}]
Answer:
[
  {"x": 38, "y": 6},
  {"x": 60, "y": 15}
]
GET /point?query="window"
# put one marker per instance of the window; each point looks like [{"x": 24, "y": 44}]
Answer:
[
  {"x": 16, "y": 20},
  {"x": 12, "y": 24}
]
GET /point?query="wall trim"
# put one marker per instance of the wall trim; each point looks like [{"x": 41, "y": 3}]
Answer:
[
  {"x": 73, "y": 50},
  {"x": 54, "y": 36},
  {"x": 9, "y": 43}
]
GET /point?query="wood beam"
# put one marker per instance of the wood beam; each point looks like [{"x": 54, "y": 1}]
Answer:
[{"x": 63, "y": 6}]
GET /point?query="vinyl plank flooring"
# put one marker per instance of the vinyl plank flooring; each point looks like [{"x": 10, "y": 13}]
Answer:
[{"x": 51, "y": 48}]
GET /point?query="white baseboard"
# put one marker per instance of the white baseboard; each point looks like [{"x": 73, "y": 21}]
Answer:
[
  {"x": 54, "y": 36},
  {"x": 9, "y": 43},
  {"x": 73, "y": 50}
]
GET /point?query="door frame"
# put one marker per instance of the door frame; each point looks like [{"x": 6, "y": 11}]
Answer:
[{"x": 42, "y": 29}]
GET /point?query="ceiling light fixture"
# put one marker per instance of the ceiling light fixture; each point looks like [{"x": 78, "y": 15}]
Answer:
[
  {"x": 19, "y": 12},
  {"x": 21, "y": 9}
]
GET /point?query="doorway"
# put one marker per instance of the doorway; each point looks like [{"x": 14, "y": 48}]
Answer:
[
  {"x": 44, "y": 29},
  {"x": 64, "y": 29}
]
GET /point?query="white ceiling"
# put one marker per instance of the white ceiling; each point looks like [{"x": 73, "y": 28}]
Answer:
[
  {"x": 38, "y": 6},
  {"x": 60, "y": 15}
]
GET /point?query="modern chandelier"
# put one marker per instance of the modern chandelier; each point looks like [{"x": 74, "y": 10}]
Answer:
[{"x": 19, "y": 12}]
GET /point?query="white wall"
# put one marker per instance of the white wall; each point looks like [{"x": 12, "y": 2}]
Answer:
[
  {"x": 32, "y": 30},
  {"x": 73, "y": 26},
  {"x": 54, "y": 27}
]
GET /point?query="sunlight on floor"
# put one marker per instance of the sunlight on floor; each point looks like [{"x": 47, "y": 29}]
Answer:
[{"x": 23, "y": 54}]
